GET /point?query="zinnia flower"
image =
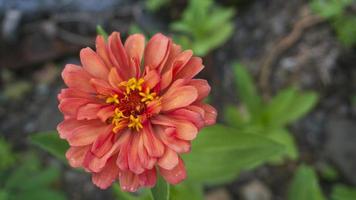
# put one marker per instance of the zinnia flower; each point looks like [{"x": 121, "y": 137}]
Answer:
[{"x": 130, "y": 110}]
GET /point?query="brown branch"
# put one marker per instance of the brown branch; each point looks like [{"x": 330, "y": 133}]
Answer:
[{"x": 284, "y": 44}]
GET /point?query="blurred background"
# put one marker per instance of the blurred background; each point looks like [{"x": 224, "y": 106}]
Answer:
[{"x": 286, "y": 50}]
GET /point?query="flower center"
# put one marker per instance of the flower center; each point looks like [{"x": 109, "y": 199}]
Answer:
[{"x": 130, "y": 105}]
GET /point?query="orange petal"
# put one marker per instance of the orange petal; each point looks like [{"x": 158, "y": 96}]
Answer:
[
  {"x": 186, "y": 114},
  {"x": 106, "y": 112},
  {"x": 119, "y": 57},
  {"x": 107, "y": 176},
  {"x": 148, "y": 178},
  {"x": 175, "y": 175},
  {"x": 129, "y": 181},
  {"x": 93, "y": 64},
  {"x": 76, "y": 77},
  {"x": 157, "y": 51},
  {"x": 70, "y": 106},
  {"x": 134, "y": 46},
  {"x": 87, "y": 134},
  {"x": 152, "y": 78},
  {"x": 75, "y": 155},
  {"x": 153, "y": 145},
  {"x": 169, "y": 159},
  {"x": 178, "y": 97},
  {"x": 165, "y": 134},
  {"x": 101, "y": 86},
  {"x": 192, "y": 68},
  {"x": 88, "y": 111},
  {"x": 202, "y": 87},
  {"x": 114, "y": 78},
  {"x": 103, "y": 142},
  {"x": 210, "y": 114},
  {"x": 102, "y": 51},
  {"x": 133, "y": 158}
]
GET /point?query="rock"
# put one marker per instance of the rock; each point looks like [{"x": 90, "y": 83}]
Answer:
[
  {"x": 340, "y": 146},
  {"x": 255, "y": 190},
  {"x": 218, "y": 194}
]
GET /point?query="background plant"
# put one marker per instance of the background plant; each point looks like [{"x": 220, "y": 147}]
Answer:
[
  {"x": 23, "y": 177},
  {"x": 342, "y": 20},
  {"x": 204, "y": 26},
  {"x": 269, "y": 118}
]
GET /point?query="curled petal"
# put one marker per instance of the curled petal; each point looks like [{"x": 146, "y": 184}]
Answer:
[
  {"x": 148, "y": 178},
  {"x": 178, "y": 97},
  {"x": 192, "y": 68},
  {"x": 75, "y": 155},
  {"x": 107, "y": 176},
  {"x": 202, "y": 87},
  {"x": 175, "y": 175},
  {"x": 86, "y": 134},
  {"x": 103, "y": 51},
  {"x": 129, "y": 181},
  {"x": 93, "y": 64},
  {"x": 157, "y": 51},
  {"x": 134, "y": 46},
  {"x": 76, "y": 77},
  {"x": 169, "y": 160},
  {"x": 88, "y": 111}
]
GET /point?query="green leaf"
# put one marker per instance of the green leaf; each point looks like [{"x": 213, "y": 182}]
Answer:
[
  {"x": 161, "y": 191},
  {"x": 221, "y": 152},
  {"x": 247, "y": 90},
  {"x": 305, "y": 185},
  {"x": 233, "y": 117},
  {"x": 186, "y": 190},
  {"x": 329, "y": 8},
  {"x": 4, "y": 195},
  {"x": 285, "y": 138},
  {"x": 154, "y": 5},
  {"x": 39, "y": 194},
  {"x": 120, "y": 195},
  {"x": 342, "y": 192},
  {"x": 50, "y": 141},
  {"x": 100, "y": 31},
  {"x": 288, "y": 106},
  {"x": 6, "y": 156}
]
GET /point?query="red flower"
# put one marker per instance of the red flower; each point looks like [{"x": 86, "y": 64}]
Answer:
[{"x": 123, "y": 122}]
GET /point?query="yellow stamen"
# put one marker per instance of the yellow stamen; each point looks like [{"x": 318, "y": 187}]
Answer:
[
  {"x": 147, "y": 96},
  {"x": 117, "y": 120},
  {"x": 133, "y": 84},
  {"x": 135, "y": 122},
  {"x": 113, "y": 99}
]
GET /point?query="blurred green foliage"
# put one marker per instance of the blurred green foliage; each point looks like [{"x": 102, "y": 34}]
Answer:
[
  {"x": 342, "y": 192},
  {"x": 305, "y": 185},
  {"x": 204, "y": 26},
  {"x": 344, "y": 22},
  {"x": 50, "y": 141},
  {"x": 154, "y": 5},
  {"x": 269, "y": 118},
  {"x": 25, "y": 178}
]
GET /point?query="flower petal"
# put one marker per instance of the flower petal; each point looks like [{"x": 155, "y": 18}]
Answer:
[
  {"x": 192, "y": 68},
  {"x": 202, "y": 87},
  {"x": 103, "y": 51},
  {"x": 175, "y": 175},
  {"x": 88, "y": 111},
  {"x": 169, "y": 159},
  {"x": 75, "y": 155},
  {"x": 178, "y": 97},
  {"x": 133, "y": 157},
  {"x": 119, "y": 57},
  {"x": 129, "y": 181},
  {"x": 76, "y": 77},
  {"x": 153, "y": 145},
  {"x": 86, "y": 134},
  {"x": 166, "y": 136},
  {"x": 70, "y": 106},
  {"x": 107, "y": 176},
  {"x": 148, "y": 178},
  {"x": 93, "y": 64},
  {"x": 157, "y": 51},
  {"x": 135, "y": 46}
]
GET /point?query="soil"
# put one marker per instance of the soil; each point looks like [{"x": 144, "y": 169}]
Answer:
[{"x": 44, "y": 37}]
